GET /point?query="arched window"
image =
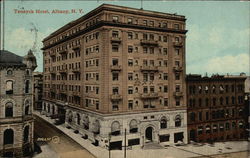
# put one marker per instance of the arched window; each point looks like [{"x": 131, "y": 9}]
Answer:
[
  {"x": 27, "y": 108},
  {"x": 27, "y": 86},
  {"x": 26, "y": 134},
  {"x": 9, "y": 87},
  {"x": 97, "y": 126},
  {"x": 70, "y": 117},
  {"x": 86, "y": 122},
  {"x": 115, "y": 128},
  {"x": 178, "y": 121},
  {"x": 240, "y": 124},
  {"x": 163, "y": 122},
  {"x": 215, "y": 128},
  {"x": 133, "y": 127},
  {"x": 9, "y": 109},
  {"x": 9, "y": 72},
  {"x": 78, "y": 119},
  {"x": 214, "y": 89},
  {"x": 8, "y": 137},
  {"x": 208, "y": 129}
]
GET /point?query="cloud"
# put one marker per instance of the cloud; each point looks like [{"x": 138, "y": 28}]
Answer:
[{"x": 228, "y": 64}]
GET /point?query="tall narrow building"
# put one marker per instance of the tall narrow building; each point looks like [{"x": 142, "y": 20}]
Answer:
[
  {"x": 16, "y": 120},
  {"x": 118, "y": 69}
]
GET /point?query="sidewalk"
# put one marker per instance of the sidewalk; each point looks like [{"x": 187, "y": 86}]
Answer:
[{"x": 166, "y": 152}]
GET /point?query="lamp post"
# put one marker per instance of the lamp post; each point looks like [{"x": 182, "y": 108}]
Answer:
[{"x": 109, "y": 145}]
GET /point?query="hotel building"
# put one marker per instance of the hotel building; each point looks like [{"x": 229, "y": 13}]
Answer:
[{"x": 118, "y": 69}]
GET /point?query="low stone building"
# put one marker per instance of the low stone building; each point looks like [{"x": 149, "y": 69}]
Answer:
[{"x": 16, "y": 120}]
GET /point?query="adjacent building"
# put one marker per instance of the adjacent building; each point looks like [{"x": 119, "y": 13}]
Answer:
[
  {"x": 16, "y": 120},
  {"x": 37, "y": 90},
  {"x": 216, "y": 108},
  {"x": 118, "y": 70}
]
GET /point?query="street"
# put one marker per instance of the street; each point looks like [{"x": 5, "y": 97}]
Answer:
[{"x": 57, "y": 142}]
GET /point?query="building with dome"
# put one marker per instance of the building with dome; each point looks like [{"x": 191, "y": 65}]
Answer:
[{"x": 16, "y": 120}]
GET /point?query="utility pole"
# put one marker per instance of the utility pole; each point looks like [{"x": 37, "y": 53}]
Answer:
[
  {"x": 109, "y": 145},
  {"x": 125, "y": 146}
]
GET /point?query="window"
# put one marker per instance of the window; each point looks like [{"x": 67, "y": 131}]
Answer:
[
  {"x": 26, "y": 134},
  {"x": 192, "y": 116},
  {"x": 165, "y": 51},
  {"x": 165, "y": 25},
  {"x": 115, "y": 34},
  {"x": 145, "y": 50},
  {"x": 215, "y": 128},
  {"x": 177, "y": 121},
  {"x": 115, "y": 90},
  {"x": 165, "y": 76},
  {"x": 97, "y": 105},
  {"x": 130, "y": 90},
  {"x": 151, "y": 23},
  {"x": 130, "y": 76},
  {"x": 115, "y": 48},
  {"x": 115, "y": 62},
  {"x": 27, "y": 84},
  {"x": 200, "y": 116},
  {"x": 177, "y": 63},
  {"x": 151, "y": 77},
  {"x": 9, "y": 109},
  {"x": 145, "y": 36},
  {"x": 177, "y": 88},
  {"x": 165, "y": 101},
  {"x": 115, "y": 106},
  {"x": 200, "y": 130},
  {"x": 145, "y": 89},
  {"x": 133, "y": 127},
  {"x": 177, "y": 102},
  {"x": 165, "y": 89},
  {"x": 176, "y": 26},
  {"x": 130, "y": 49},
  {"x": 130, "y": 21},
  {"x": 130, "y": 35},
  {"x": 208, "y": 129},
  {"x": 8, "y": 137},
  {"x": 9, "y": 87},
  {"x": 130, "y": 104},
  {"x": 177, "y": 76},
  {"x": 165, "y": 38},
  {"x": 145, "y": 22},
  {"x": 130, "y": 62},
  {"x": 145, "y": 77},
  {"x": 115, "y": 128},
  {"x": 115, "y": 76},
  {"x": 177, "y": 51},
  {"x": 151, "y": 50},
  {"x": 115, "y": 18},
  {"x": 163, "y": 122},
  {"x": 9, "y": 72},
  {"x": 27, "y": 107}
]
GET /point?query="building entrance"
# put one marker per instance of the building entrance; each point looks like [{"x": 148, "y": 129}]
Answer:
[{"x": 149, "y": 134}]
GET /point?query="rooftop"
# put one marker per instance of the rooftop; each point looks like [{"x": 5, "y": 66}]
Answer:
[
  {"x": 134, "y": 11},
  {"x": 9, "y": 58}
]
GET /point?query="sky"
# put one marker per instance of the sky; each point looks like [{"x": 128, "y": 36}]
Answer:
[{"x": 217, "y": 39}]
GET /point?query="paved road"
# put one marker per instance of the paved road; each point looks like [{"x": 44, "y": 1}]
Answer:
[{"x": 61, "y": 144}]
